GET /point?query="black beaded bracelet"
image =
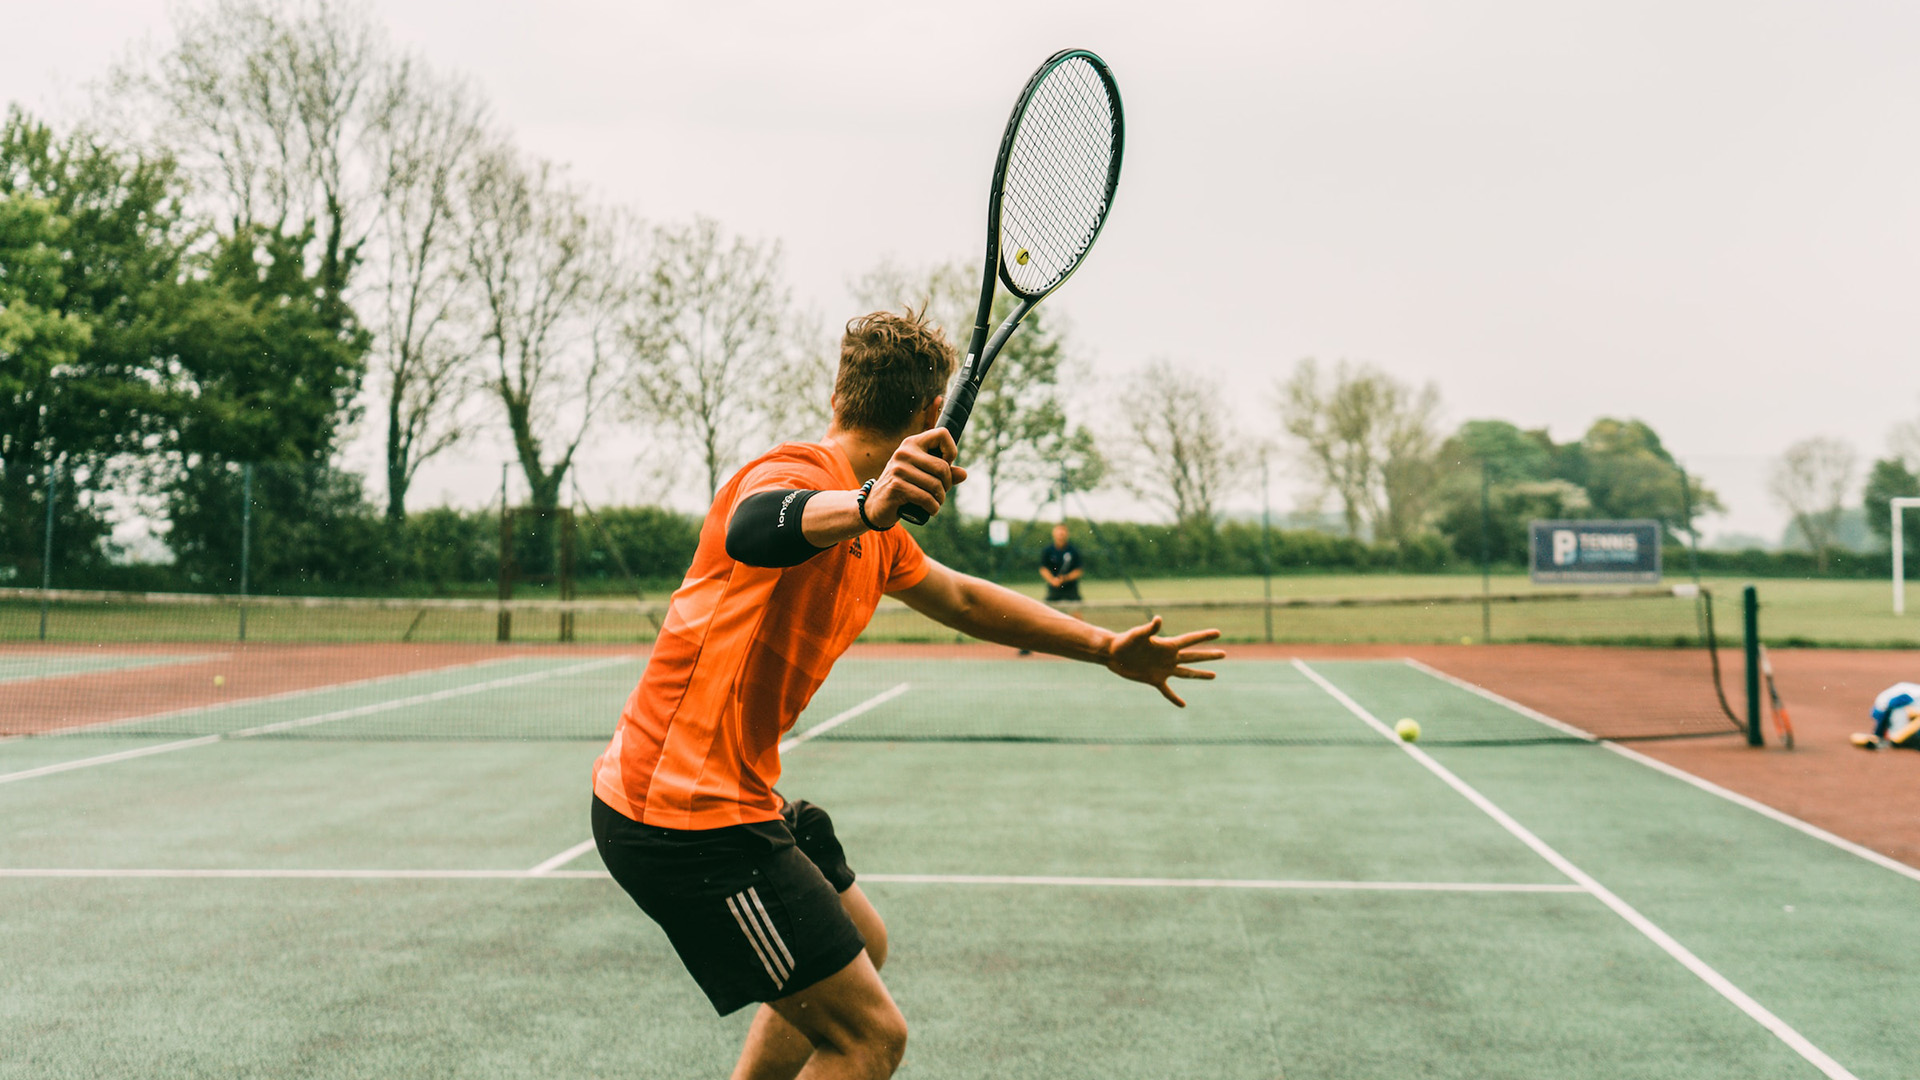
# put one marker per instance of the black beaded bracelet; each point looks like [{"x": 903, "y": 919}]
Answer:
[{"x": 860, "y": 504}]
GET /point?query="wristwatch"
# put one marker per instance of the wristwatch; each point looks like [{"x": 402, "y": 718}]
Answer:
[{"x": 860, "y": 504}]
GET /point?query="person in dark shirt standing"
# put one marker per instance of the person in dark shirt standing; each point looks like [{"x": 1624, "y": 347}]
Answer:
[{"x": 1061, "y": 567}]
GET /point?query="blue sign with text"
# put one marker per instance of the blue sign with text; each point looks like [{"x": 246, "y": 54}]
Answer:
[{"x": 1596, "y": 551}]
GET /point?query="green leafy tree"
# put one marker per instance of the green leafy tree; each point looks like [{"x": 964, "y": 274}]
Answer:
[
  {"x": 1630, "y": 474},
  {"x": 1618, "y": 469},
  {"x": 1887, "y": 480},
  {"x": 269, "y": 372},
  {"x": 91, "y": 243}
]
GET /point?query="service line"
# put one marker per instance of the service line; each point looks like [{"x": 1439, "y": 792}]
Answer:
[
  {"x": 1025, "y": 881},
  {"x": 1799, "y": 1043}
]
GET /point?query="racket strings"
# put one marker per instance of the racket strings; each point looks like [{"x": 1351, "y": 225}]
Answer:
[
  {"x": 1059, "y": 177},
  {"x": 1067, "y": 139}
]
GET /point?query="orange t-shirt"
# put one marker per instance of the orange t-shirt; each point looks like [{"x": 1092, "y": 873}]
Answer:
[{"x": 741, "y": 653}]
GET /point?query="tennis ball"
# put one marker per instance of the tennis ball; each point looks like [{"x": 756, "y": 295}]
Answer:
[
  {"x": 1020, "y": 256},
  {"x": 1466, "y": 639},
  {"x": 1408, "y": 730},
  {"x": 219, "y": 680}
]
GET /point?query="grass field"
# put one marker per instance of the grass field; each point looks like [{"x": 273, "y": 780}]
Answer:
[{"x": 347, "y": 908}]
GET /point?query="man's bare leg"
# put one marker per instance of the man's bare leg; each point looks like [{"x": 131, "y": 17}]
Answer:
[{"x": 775, "y": 1048}]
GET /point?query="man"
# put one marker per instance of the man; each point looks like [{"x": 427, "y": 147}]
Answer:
[
  {"x": 1060, "y": 567},
  {"x": 1896, "y": 719},
  {"x": 752, "y": 890}
]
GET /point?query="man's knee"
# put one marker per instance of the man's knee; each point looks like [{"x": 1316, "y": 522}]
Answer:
[{"x": 886, "y": 1037}]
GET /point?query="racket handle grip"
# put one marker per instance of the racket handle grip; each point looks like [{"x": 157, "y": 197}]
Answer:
[{"x": 954, "y": 418}]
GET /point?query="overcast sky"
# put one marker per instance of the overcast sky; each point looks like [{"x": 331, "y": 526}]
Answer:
[{"x": 1700, "y": 214}]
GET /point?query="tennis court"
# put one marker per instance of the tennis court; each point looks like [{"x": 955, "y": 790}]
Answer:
[{"x": 392, "y": 878}]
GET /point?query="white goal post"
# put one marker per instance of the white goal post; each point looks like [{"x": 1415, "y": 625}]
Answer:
[{"x": 1900, "y": 554}]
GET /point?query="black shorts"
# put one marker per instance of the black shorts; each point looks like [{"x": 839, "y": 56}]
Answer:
[{"x": 753, "y": 910}]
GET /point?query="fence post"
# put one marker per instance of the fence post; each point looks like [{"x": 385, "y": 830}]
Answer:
[
  {"x": 1756, "y": 736},
  {"x": 46, "y": 548},
  {"x": 246, "y": 540}
]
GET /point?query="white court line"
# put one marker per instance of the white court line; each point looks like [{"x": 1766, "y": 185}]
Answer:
[
  {"x": 309, "y": 721},
  {"x": 548, "y": 866},
  {"x": 822, "y": 727},
  {"x": 832, "y": 722},
  {"x": 1759, "y": 1013},
  {"x": 537, "y": 874},
  {"x": 1707, "y": 786},
  {"x": 1223, "y": 883}
]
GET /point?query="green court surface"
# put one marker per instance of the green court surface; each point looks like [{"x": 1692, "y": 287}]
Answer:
[{"x": 1262, "y": 886}]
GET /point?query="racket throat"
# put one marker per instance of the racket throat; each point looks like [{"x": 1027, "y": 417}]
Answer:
[{"x": 966, "y": 385}]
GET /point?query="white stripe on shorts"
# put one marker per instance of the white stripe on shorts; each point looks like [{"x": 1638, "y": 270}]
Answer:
[
  {"x": 738, "y": 908},
  {"x": 764, "y": 927},
  {"x": 766, "y": 921}
]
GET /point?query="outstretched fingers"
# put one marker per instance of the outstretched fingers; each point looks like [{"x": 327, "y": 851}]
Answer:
[
  {"x": 1193, "y": 656},
  {"x": 1167, "y": 692},
  {"x": 1194, "y": 673}
]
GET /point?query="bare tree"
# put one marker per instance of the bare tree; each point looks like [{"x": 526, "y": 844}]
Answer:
[
  {"x": 1811, "y": 481},
  {"x": 944, "y": 293},
  {"x": 1368, "y": 439},
  {"x": 552, "y": 283},
  {"x": 1903, "y": 442},
  {"x": 270, "y": 104},
  {"x": 424, "y": 145},
  {"x": 708, "y": 333},
  {"x": 1410, "y": 465},
  {"x": 802, "y": 382},
  {"x": 1182, "y": 441}
]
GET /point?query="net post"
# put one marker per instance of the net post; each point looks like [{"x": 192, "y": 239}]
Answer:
[
  {"x": 46, "y": 548},
  {"x": 1750, "y": 602},
  {"x": 246, "y": 540}
]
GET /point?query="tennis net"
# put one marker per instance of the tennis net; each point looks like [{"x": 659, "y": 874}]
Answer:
[{"x": 173, "y": 666}]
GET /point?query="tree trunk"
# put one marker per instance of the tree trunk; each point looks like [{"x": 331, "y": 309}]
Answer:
[{"x": 397, "y": 481}]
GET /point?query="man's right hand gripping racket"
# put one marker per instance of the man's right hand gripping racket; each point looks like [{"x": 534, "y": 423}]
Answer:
[{"x": 1053, "y": 184}]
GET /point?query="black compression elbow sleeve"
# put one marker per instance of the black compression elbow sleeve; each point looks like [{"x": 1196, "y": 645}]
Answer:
[{"x": 765, "y": 530}]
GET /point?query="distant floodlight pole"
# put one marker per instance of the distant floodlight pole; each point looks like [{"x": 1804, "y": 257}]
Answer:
[
  {"x": 246, "y": 540},
  {"x": 1904, "y": 502},
  {"x": 1486, "y": 552},
  {"x": 1266, "y": 545},
  {"x": 46, "y": 549},
  {"x": 1693, "y": 538}
]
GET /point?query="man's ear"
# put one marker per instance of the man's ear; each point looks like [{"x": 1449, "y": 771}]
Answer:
[{"x": 929, "y": 416}]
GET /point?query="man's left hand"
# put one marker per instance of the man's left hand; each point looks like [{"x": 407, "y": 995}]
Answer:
[{"x": 1142, "y": 657}]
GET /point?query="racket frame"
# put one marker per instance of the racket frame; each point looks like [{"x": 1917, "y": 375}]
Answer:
[{"x": 982, "y": 349}]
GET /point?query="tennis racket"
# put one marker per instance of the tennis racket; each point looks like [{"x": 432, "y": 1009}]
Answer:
[
  {"x": 1782, "y": 723},
  {"x": 1053, "y": 185}
]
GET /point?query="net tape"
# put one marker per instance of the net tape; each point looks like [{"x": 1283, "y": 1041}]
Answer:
[{"x": 159, "y": 683}]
